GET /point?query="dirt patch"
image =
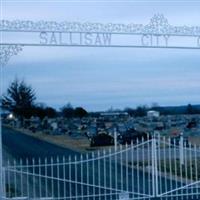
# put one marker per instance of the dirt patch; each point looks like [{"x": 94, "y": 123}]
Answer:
[{"x": 194, "y": 140}]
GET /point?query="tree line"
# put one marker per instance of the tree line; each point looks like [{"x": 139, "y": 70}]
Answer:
[
  {"x": 141, "y": 111},
  {"x": 20, "y": 99}
]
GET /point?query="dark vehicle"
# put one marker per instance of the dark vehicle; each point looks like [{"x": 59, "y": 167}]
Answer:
[
  {"x": 102, "y": 140},
  {"x": 132, "y": 136},
  {"x": 192, "y": 124}
]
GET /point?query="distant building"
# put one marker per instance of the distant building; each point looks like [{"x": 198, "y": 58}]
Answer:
[
  {"x": 113, "y": 114},
  {"x": 153, "y": 113}
]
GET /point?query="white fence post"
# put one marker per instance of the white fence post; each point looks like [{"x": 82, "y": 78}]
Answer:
[
  {"x": 181, "y": 149},
  {"x": 153, "y": 163},
  {"x": 154, "y": 167},
  {"x": 3, "y": 182},
  {"x": 115, "y": 139}
]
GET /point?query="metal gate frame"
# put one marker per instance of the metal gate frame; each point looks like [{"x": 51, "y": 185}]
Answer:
[{"x": 136, "y": 171}]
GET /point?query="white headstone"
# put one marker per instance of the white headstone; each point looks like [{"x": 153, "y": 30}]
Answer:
[{"x": 54, "y": 125}]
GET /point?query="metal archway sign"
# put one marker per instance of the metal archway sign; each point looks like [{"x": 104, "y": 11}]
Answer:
[{"x": 158, "y": 33}]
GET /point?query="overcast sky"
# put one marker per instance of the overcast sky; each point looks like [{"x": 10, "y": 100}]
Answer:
[{"x": 98, "y": 78}]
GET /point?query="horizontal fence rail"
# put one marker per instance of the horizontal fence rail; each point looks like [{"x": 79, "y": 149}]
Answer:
[{"x": 155, "y": 168}]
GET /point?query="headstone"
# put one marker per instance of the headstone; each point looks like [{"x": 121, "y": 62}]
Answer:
[{"x": 54, "y": 125}]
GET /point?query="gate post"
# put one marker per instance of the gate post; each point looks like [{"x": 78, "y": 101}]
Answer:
[
  {"x": 181, "y": 149},
  {"x": 154, "y": 167}
]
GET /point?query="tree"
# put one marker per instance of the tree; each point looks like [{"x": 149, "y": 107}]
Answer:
[
  {"x": 80, "y": 112},
  {"x": 189, "y": 109},
  {"x": 19, "y": 98},
  {"x": 50, "y": 112},
  {"x": 140, "y": 111},
  {"x": 130, "y": 111},
  {"x": 67, "y": 111},
  {"x": 43, "y": 111}
]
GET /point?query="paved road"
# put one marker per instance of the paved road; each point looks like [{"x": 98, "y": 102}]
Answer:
[
  {"x": 18, "y": 146},
  {"x": 22, "y": 146}
]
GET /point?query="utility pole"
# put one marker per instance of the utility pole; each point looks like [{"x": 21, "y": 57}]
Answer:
[
  {"x": 1, "y": 149},
  {"x": 1, "y": 160},
  {"x": 1, "y": 82}
]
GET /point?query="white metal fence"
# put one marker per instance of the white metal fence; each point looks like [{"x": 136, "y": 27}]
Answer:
[{"x": 152, "y": 169}]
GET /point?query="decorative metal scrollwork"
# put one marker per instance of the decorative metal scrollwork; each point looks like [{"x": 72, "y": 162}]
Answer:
[
  {"x": 158, "y": 25},
  {"x": 7, "y": 51}
]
